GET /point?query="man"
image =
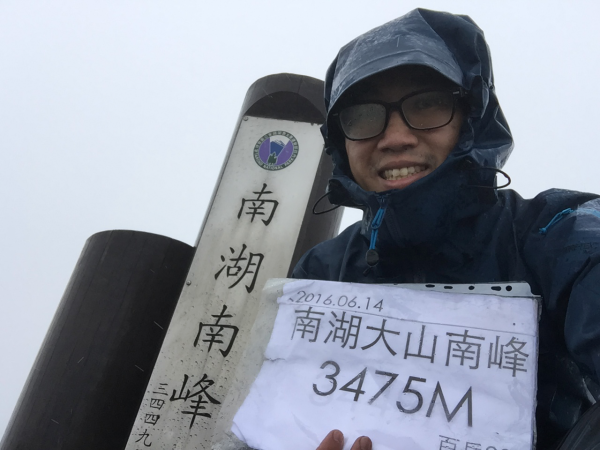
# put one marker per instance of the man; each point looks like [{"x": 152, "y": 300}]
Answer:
[{"x": 417, "y": 137}]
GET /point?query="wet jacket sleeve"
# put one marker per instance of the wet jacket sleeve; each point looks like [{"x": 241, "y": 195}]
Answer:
[
  {"x": 564, "y": 255},
  {"x": 311, "y": 266},
  {"x": 335, "y": 259}
]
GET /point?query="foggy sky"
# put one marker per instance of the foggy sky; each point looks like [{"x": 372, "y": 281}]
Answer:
[{"x": 117, "y": 115}]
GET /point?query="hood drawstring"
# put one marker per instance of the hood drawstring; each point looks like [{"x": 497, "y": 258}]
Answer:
[
  {"x": 555, "y": 219},
  {"x": 372, "y": 256},
  {"x": 564, "y": 213}
]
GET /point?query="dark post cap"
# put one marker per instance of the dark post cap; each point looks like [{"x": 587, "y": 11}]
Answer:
[{"x": 286, "y": 96}]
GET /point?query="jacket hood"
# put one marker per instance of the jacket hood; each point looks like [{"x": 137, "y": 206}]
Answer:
[
  {"x": 452, "y": 45},
  {"x": 429, "y": 211}
]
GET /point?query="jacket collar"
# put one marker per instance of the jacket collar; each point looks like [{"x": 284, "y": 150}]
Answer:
[{"x": 425, "y": 213}]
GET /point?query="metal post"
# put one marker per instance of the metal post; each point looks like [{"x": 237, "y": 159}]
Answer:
[{"x": 89, "y": 377}]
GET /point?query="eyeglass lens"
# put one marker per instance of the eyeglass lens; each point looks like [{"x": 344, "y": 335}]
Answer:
[{"x": 421, "y": 111}]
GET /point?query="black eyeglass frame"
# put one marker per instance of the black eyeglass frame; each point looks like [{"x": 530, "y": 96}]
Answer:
[{"x": 397, "y": 106}]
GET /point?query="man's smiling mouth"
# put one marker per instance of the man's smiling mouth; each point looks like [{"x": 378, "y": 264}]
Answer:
[{"x": 398, "y": 174}]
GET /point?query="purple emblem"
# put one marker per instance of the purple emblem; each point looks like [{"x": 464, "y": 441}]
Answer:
[{"x": 276, "y": 150}]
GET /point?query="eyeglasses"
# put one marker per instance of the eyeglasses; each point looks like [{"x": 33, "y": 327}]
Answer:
[{"x": 421, "y": 110}]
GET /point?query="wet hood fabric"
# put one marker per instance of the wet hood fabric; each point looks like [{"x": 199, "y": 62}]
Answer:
[
  {"x": 453, "y": 46},
  {"x": 425, "y": 211}
]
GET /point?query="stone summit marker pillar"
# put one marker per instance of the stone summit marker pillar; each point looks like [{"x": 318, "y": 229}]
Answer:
[
  {"x": 92, "y": 372},
  {"x": 259, "y": 224}
]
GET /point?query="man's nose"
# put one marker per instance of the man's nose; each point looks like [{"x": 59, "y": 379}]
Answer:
[{"x": 397, "y": 133}]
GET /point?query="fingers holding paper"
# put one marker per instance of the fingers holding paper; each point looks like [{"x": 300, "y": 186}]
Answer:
[{"x": 335, "y": 441}]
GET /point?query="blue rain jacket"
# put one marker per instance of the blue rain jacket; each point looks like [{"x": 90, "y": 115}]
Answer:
[{"x": 454, "y": 226}]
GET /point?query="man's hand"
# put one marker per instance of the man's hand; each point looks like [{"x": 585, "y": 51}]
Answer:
[{"x": 335, "y": 441}]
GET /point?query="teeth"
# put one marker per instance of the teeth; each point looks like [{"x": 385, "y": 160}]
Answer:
[{"x": 396, "y": 174}]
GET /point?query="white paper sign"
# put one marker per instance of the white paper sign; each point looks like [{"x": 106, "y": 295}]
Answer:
[{"x": 410, "y": 369}]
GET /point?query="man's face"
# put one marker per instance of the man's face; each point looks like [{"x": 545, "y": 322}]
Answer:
[{"x": 400, "y": 155}]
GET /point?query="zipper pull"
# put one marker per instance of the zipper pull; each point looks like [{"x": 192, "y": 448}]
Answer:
[{"x": 372, "y": 255}]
